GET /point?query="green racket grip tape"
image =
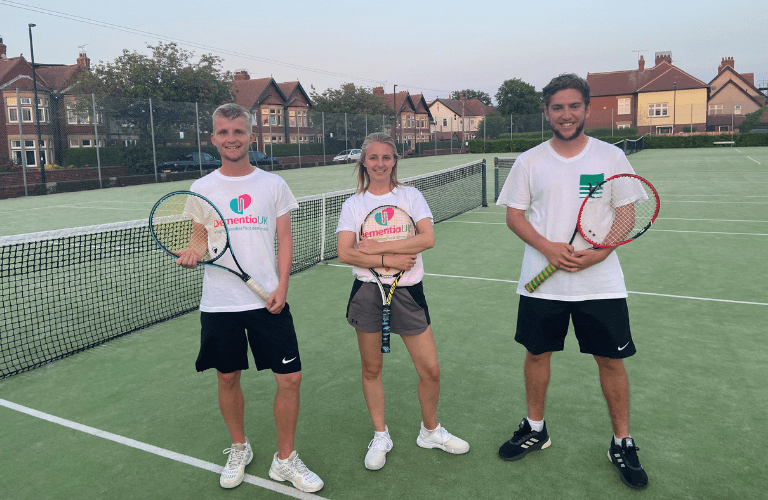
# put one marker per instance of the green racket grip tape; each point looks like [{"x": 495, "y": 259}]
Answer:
[
  {"x": 540, "y": 278},
  {"x": 257, "y": 289}
]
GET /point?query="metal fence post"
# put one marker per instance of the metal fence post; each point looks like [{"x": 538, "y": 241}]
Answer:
[
  {"x": 152, "y": 131},
  {"x": 199, "y": 148},
  {"x": 322, "y": 119},
  {"x": 96, "y": 137},
  {"x": 23, "y": 148}
]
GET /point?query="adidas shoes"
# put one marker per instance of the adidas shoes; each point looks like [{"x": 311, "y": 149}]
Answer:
[
  {"x": 240, "y": 455},
  {"x": 441, "y": 438},
  {"x": 293, "y": 469},
  {"x": 524, "y": 441},
  {"x": 625, "y": 459},
  {"x": 377, "y": 451}
]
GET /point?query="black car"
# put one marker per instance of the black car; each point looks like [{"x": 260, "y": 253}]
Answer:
[
  {"x": 191, "y": 161},
  {"x": 259, "y": 159}
]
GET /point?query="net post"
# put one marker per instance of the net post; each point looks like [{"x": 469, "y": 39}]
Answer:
[
  {"x": 485, "y": 188},
  {"x": 322, "y": 230}
]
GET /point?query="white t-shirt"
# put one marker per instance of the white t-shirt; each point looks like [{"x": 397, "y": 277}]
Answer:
[
  {"x": 250, "y": 205},
  {"x": 355, "y": 208},
  {"x": 552, "y": 188}
]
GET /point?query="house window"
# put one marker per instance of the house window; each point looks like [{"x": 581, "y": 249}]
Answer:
[
  {"x": 661, "y": 109},
  {"x": 715, "y": 109},
  {"x": 622, "y": 125},
  {"x": 74, "y": 143},
  {"x": 29, "y": 147},
  {"x": 624, "y": 106},
  {"x": 25, "y": 100},
  {"x": 86, "y": 143},
  {"x": 77, "y": 116},
  {"x": 664, "y": 130},
  {"x": 737, "y": 110},
  {"x": 445, "y": 122}
]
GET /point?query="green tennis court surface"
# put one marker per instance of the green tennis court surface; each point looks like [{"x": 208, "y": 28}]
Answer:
[{"x": 698, "y": 306}]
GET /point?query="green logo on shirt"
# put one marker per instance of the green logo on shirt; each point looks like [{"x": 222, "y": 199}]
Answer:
[{"x": 587, "y": 182}]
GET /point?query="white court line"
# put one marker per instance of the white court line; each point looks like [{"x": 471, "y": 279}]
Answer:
[
  {"x": 650, "y": 230},
  {"x": 178, "y": 457},
  {"x": 630, "y": 292},
  {"x": 754, "y": 160}
]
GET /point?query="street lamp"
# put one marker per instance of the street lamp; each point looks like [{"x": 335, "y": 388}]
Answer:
[{"x": 37, "y": 116}]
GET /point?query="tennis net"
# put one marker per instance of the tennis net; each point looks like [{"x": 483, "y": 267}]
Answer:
[
  {"x": 68, "y": 290},
  {"x": 501, "y": 169}
]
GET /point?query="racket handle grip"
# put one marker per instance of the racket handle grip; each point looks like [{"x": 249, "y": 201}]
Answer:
[
  {"x": 540, "y": 278},
  {"x": 257, "y": 289},
  {"x": 385, "y": 329}
]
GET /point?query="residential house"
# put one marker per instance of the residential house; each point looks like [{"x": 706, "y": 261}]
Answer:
[
  {"x": 279, "y": 110},
  {"x": 412, "y": 116},
  {"x": 56, "y": 130},
  {"x": 458, "y": 118},
  {"x": 732, "y": 97},
  {"x": 659, "y": 100}
]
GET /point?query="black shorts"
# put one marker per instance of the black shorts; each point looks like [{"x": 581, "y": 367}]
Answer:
[
  {"x": 601, "y": 326},
  {"x": 225, "y": 336},
  {"x": 410, "y": 314}
]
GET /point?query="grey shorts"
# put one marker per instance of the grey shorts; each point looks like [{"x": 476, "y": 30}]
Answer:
[{"x": 410, "y": 314}]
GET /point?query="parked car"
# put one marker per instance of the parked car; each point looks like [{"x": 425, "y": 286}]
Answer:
[
  {"x": 191, "y": 161},
  {"x": 259, "y": 159},
  {"x": 348, "y": 155}
]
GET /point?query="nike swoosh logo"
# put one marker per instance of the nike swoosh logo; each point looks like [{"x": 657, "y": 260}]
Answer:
[
  {"x": 620, "y": 348},
  {"x": 288, "y": 361}
]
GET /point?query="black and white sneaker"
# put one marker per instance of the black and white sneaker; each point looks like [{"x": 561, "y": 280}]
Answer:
[
  {"x": 625, "y": 459},
  {"x": 524, "y": 441}
]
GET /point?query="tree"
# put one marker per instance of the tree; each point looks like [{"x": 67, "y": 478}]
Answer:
[
  {"x": 170, "y": 77},
  {"x": 492, "y": 126},
  {"x": 350, "y": 99},
  {"x": 515, "y": 97},
  {"x": 350, "y": 112},
  {"x": 472, "y": 94},
  {"x": 169, "y": 74}
]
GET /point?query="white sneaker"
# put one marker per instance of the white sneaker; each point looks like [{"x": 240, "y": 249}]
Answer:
[
  {"x": 377, "y": 451},
  {"x": 293, "y": 469},
  {"x": 441, "y": 438},
  {"x": 240, "y": 455}
]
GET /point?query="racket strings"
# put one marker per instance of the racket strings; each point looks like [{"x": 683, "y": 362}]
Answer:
[
  {"x": 619, "y": 211},
  {"x": 183, "y": 221}
]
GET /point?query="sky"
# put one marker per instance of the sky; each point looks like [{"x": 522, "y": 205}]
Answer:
[{"x": 424, "y": 47}]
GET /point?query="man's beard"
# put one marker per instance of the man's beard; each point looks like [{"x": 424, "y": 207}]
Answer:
[{"x": 577, "y": 132}]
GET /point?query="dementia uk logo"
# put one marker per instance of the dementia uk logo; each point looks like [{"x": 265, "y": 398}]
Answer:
[
  {"x": 252, "y": 222},
  {"x": 389, "y": 226}
]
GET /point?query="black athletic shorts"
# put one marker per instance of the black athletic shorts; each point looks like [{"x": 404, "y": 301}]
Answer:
[
  {"x": 601, "y": 326},
  {"x": 225, "y": 336},
  {"x": 410, "y": 314}
]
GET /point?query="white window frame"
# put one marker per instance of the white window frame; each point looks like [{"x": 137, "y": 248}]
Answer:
[
  {"x": 624, "y": 106},
  {"x": 715, "y": 109},
  {"x": 658, "y": 109}
]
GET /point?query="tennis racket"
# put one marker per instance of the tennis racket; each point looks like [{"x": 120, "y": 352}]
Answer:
[
  {"x": 387, "y": 223},
  {"x": 185, "y": 220},
  {"x": 616, "y": 211}
]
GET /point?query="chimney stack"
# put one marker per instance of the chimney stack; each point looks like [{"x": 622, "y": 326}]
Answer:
[
  {"x": 726, "y": 61},
  {"x": 83, "y": 61},
  {"x": 663, "y": 56},
  {"x": 463, "y": 97},
  {"x": 242, "y": 75},
  {"x": 379, "y": 91},
  {"x": 641, "y": 64},
  {"x": 3, "y": 49}
]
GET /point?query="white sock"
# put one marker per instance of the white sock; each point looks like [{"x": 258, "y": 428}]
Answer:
[
  {"x": 536, "y": 425},
  {"x": 382, "y": 434},
  {"x": 617, "y": 441}
]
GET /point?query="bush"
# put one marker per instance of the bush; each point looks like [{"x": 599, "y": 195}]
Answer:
[
  {"x": 704, "y": 141},
  {"x": 751, "y": 121}
]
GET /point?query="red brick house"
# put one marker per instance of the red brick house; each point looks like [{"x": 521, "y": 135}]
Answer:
[
  {"x": 280, "y": 111},
  {"x": 56, "y": 128},
  {"x": 732, "y": 96},
  {"x": 412, "y": 116},
  {"x": 660, "y": 100}
]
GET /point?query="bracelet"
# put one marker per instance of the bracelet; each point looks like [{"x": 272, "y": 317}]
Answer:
[{"x": 382, "y": 261}]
